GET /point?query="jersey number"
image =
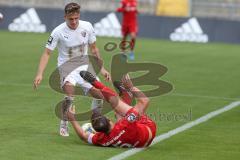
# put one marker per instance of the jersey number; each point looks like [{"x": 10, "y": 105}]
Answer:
[
  {"x": 76, "y": 51},
  {"x": 122, "y": 145}
]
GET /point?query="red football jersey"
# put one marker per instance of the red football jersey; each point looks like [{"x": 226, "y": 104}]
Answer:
[
  {"x": 131, "y": 131},
  {"x": 129, "y": 10}
]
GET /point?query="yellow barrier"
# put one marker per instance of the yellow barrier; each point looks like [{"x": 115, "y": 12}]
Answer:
[{"x": 178, "y": 8}]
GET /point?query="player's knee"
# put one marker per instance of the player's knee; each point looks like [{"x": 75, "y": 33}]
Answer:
[
  {"x": 67, "y": 84},
  {"x": 68, "y": 101},
  {"x": 68, "y": 88},
  {"x": 133, "y": 35}
]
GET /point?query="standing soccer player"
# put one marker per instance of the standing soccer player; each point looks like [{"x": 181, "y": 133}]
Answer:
[
  {"x": 129, "y": 24},
  {"x": 72, "y": 38}
]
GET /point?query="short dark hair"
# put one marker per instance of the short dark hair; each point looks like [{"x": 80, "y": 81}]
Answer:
[
  {"x": 71, "y": 8},
  {"x": 100, "y": 123}
]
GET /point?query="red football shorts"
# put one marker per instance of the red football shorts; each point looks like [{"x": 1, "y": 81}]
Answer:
[
  {"x": 151, "y": 124},
  {"x": 144, "y": 120},
  {"x": 128, "y": 28}
]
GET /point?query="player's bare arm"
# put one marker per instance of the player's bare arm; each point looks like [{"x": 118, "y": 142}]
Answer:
[
  {"x": 41, "y": 67},
  {"x": 80, "y": 132},
  {"x": 95, "y": 51},
  {"x": 142, "y": 100}
]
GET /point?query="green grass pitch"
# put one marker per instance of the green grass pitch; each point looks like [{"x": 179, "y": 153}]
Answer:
[{"x": 205, "y": 78}]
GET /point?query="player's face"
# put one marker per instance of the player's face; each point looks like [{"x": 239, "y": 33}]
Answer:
[{"x": 72, "y": 20}]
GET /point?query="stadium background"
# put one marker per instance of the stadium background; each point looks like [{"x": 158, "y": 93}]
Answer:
[{"x": 205, "y": 75}]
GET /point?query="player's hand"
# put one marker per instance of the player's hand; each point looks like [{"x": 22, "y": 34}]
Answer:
[
  {"x": 106, "y": 74},
  {"x": 71, "y": 115},
  {"x": 37, "y": 81},
  {"x": 126, "y": 80}
]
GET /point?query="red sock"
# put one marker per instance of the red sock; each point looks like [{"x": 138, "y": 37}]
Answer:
[
  {"x": 126, "y": 97},
  {"x": 107, "y": 93},
  {"x": 98, "y": 84}
]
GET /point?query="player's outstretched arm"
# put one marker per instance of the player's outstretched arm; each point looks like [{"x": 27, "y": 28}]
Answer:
[
  {"x": 41, "y": 67},
  {"x": 78, "y": 129}
]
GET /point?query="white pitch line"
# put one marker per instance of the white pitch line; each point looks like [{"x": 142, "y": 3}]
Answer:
[
  {"x": 180, "y": 129},
  {"x": 201, "y": 96}
]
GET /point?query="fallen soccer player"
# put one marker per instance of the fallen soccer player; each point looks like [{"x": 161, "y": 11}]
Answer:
[{"x": 132, "y": 129}]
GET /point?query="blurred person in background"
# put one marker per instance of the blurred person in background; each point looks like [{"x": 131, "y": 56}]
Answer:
[{"x": 129, "y": 24}]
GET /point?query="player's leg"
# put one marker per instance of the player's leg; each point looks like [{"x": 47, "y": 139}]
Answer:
[
  {"x": 68, "y": 88},
  {"x": 109, "y": 95},
  {"x": 123, "y": 93},
  {"x": 68, "y": 83},
  {"x": 124, "y": 38},
  {"x": 132, "y": 45},
  {"x": 95, "y": 93},
  {"x": 133, "y": 40},
  {"x": 97, "y": 101},
  {"x": 133, "y": 29},
  {"x": 124, "y": 43},
  {"x": 123, "y": 47},
  {"x": 125, "y": 96}
]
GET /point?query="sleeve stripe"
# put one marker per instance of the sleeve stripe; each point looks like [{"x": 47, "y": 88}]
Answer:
[{"x": 90, "y": 138}]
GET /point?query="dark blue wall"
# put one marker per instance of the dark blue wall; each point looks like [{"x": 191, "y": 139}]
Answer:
[{"x": 149, "y": 26}]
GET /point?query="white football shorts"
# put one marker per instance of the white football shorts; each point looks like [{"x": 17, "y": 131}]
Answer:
[{"x": 75, "y": 79}]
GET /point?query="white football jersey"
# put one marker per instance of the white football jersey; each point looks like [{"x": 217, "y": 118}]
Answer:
[{"x": 71, "y": 43}]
